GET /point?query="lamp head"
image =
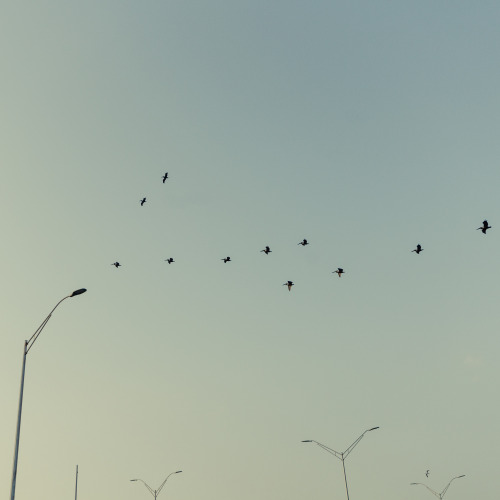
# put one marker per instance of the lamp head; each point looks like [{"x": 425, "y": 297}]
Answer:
[
  {"x": 133, "y": 479},
  {"x": 307, "y": 441},
  {"x": 372, "y": 429},
  {"x": 78, "y": 292},
  {"x": 177, "y": 472}
]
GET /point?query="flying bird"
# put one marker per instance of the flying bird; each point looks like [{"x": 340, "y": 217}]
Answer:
[
  {"x": 116, "y": 264},
  {"x": 169, "y": 260},
  {"x": 427, "y": 473},
  {"x": 304, "y": 242},
  {"x": 485, "y": 227},
  {"x": 289, "y": 284},
  {"x": 227, "y": 259},
  {"x": 339, "y": 271},
  {"x": 266, "y": 250},
  {"x": 143, "y": 201},
  {"x": 418, "y": 249},
  {"x": 165, "y": 177}
]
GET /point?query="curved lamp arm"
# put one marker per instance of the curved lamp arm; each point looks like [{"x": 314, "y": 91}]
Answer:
[
  {"x": 430, "y": 489},
  {"x": 329, "y": 450},
  {"x": 448, "y": 485},
  {"x": 32, "y": 339},
  {"x": 163, "y": 484},
  {"x": 346, "y": 452},
  {"x": 147, "y": 486}
]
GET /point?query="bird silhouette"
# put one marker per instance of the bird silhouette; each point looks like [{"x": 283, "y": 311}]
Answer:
[
  {"x": 485, "y": 227},
  {"x": 169, "y": 260},
  {"x": 165, "y": 177},
  {"x": 304, "y": 242},
  {"x": 427, "y": 473},
  {"x": 418, "y": 249},
  {"x": 116, "y": 264},
  {"x": 266, "y": 250},
  {"x": 227, "y": 259},
  {"x": 143, "y": 201},
  {"x": 289, "y": 284},
  {"x": 339, "y": 271}
]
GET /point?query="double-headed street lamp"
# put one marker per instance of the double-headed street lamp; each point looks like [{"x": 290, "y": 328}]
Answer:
[
  {"x": 440, "y": 495},
  {"x": 341, "y": 455},
  {"x": 156, "y": 492},
  {"x": 28, "y": 344}
]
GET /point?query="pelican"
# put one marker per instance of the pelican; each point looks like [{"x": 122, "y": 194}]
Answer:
[
  {"x": 266, "y": 250},
  {"x": 339, "y": 271},
  {"x": 227, "y": 259},
  {"x": 143, "y": 201},
  {"x": 485, "y": 227},
  {"x": 116, "y": 264},
  {"x": 165, "y": 177},
  {"x": 169, "y": 260},
  {"x": 304, "y": 242},
  {"x": 289, "y": 284},
  {"x": 418, "y": 249}
]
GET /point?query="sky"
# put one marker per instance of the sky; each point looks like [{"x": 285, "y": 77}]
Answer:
[{"x": 366, "y": 128}]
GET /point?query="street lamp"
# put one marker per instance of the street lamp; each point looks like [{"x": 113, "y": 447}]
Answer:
[
  {"x": 341, "y": 455},
  {"x": 156, "y": 492},
  {"x": 28, "y": 344},
  {"x": 440, "y": 495}
]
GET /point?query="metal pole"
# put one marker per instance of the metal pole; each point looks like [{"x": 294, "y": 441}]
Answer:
[
  {"x": 76, "y": 484},
  {"x": 28, "y": 344},
  {"x": 345, "y": 478},
  {"x": 16, "y": 449}
]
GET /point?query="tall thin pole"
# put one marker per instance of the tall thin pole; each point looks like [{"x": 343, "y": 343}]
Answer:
[
  {"x": 18, "y": 432},
  {"x": 76, "y": 483},
  {"x": 345, "y": 478}
]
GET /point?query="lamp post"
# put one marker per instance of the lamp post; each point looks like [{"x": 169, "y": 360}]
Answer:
[
  {"x": 440, "y": 495},
  {"x": 341, "y": 455},
  {"x": 28, "y": 344},
  {"x": 156, "y": 492}
]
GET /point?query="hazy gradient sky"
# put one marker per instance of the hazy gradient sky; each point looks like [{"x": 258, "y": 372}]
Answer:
[{"x": 364, "y": 126}]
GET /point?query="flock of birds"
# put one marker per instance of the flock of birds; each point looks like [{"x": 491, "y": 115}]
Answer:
[
  {"x": 267, "y": 250},
  {"x": 339, "y": 271}
]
